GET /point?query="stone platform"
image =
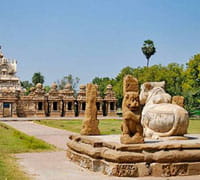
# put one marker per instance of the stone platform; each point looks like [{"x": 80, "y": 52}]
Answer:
[{"x": 153, "y": 158}]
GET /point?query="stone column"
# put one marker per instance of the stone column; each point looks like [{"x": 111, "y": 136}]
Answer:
[
  {"x": 90, "y": 122},
  {"x": 66, "y": 106},
  {"x": 108, "y": 107}
]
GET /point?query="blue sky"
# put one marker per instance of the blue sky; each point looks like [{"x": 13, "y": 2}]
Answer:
[{"x": 89, "y": 38}]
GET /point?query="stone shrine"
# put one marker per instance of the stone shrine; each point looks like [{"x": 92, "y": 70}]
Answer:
[
  {"x": 9, "y": 87},
  {"x": 38, "y": 103},
  {"x": 99, "y": 103},
  {"x": 54, "y": 102},
  {"x": 68, "y": 100},
  {"x": 110, "y": 101},
  {"x": 8, "y": 69},
  {"x": 81, "y": 98},
  {"x": 161, "y": 157}
]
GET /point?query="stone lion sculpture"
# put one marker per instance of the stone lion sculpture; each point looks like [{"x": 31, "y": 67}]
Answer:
[
  {"x": 132, "y": 131},
  {"x": 160, "y": 118}
]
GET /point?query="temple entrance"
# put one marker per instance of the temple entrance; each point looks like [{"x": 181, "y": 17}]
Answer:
[{"x": 7, "y": 109}]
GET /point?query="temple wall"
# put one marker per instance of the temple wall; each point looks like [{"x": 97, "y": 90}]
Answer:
[{"x": 43, "y": 106}]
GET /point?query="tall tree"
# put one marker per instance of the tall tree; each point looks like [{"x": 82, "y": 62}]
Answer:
[
  {"x": 148, "y": 49},
  {"x": 69, "y": 79},
  {"x": 37, "y": 78},
  {"x": 192, "y": 83},
  {"x": 118, "y": 83},
  {"x": 26, "y": 85},
  {"x": 102, "y": 84}
]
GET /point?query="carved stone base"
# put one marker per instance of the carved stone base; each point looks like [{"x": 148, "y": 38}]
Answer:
[
  {"x": 153, "y": 158},
  {"x": 81, "y": 114},
  {"x": 69, "y": 114},
  {"x": 99, "y": 113},
  {"x": 112, "y": 113},
  {"x": 40, "y": 114},
  {"x": 55, "y": 114}
]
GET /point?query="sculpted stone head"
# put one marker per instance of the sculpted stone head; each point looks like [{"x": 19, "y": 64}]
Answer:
[
  {"x": 131, "y": 101},
  {"x": 147, "y": 87}
]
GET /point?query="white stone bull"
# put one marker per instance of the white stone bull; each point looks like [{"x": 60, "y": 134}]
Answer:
[{"x": 160, "y": 118}]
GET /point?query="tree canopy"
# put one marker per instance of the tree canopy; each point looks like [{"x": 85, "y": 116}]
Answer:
[
  {"x": 37, "y": 78},
  {"x": 148, "y": 49},
  {"x": 102, "y": 83},
  {"x": 179, "y": 80},
  {"x": 69, "y": 79}
]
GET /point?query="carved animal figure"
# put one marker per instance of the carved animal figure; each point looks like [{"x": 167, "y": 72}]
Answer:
[
  {"x": 160, "y": 118},
  {"x": 132, "y": 131}
]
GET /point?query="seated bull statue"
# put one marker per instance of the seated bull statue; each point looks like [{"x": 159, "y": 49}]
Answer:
[{"x": 160, "y": 118}]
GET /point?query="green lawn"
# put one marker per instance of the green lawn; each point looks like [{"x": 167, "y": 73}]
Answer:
[
  {"x": 194, "y": 126},
  {"x": 13, "y": 141},
  {"x": 107, "y": 126}
]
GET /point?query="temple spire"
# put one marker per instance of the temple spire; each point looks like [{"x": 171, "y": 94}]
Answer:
[{"x": 1, "y": 54}]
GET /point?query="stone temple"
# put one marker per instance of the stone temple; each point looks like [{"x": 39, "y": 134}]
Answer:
[
  {"x": 8, "y": 69},
  {"x": 38, "y": 103}
]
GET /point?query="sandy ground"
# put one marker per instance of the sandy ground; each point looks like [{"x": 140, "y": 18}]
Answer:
[{"x": 55, "y": 165}]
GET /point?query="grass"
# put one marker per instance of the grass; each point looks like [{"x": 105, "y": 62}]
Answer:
[
  {"x": 13, "y": 141},
  {"x": 194, "y": 126},
  {"x": 9, "y": 169},
  {"x": 106, "y": 126}
]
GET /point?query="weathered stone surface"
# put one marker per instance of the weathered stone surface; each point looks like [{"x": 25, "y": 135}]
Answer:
[
  {"x": 80, "y": 159},
  {"x": 175, "y": 151},
  {"x": 90, "y": 122},
  {"x": 132, "y": 131},
  {"x": 130, "y": 84},
  {"x": 160, "y": 118},
  {"x": 118, "y": 156},
  {"x": 8, "y": 79},
  {"x": 174, "y": 169},
  {"x": 194, "y": 168},
  {"x": 54, "y": 104},
  {"x": 130, "y": 163},
  {"x": 179, "y": 100},
  {"x": 193, "y": 142}
]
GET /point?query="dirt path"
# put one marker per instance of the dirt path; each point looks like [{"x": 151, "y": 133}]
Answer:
[
  {"x": 55, "y": 165},
  {"x": 57, "y": 137}
]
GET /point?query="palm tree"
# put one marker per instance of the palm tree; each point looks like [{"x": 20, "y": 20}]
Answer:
[
  {"x": 148, "y": 49},
  {"x": 37, "y": 78}
]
